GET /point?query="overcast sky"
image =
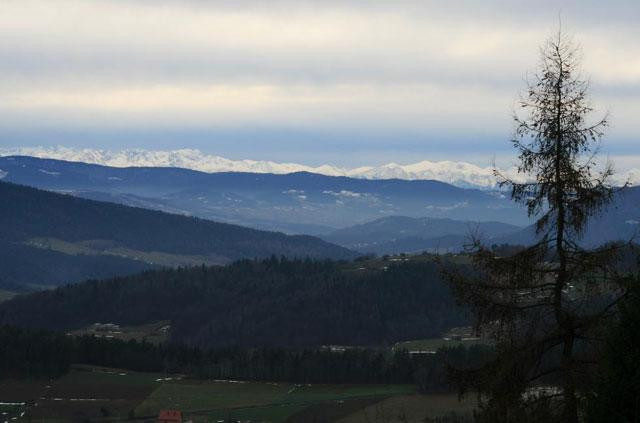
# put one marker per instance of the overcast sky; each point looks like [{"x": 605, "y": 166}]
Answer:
[{"x": 340, "y": 82}]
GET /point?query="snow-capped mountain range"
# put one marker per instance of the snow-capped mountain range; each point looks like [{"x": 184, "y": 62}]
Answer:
[{"x": 461, "y": 174}]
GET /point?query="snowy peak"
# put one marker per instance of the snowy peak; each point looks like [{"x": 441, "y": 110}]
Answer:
[
  {"x": 183, "y": 158},
  {"x": 461, "y": 174},
  {"x": 456, "y": 173}
]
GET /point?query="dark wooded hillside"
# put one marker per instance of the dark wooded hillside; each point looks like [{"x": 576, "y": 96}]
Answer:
[{"x": 273, "y": 302}]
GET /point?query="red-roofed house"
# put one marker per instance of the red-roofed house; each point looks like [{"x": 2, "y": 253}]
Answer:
[{"x": 170, "y": 416}]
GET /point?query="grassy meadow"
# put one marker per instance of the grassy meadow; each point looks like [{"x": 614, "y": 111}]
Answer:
[{"x": 103, "y": 394}]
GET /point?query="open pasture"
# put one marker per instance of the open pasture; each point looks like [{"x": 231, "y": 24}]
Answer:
[
  {"x": 257, "y": 401},
  {"x": 89, "y": 393},
  {"x": 85, "y": 393},
  {"x": 413, "y": 408}
]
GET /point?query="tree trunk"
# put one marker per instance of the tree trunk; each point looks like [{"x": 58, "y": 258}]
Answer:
[{"x": 570, "y": 411}]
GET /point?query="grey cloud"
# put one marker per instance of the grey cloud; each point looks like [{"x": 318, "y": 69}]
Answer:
[
  {"x": 471, "y": 55},
  {"x": 81, "y": 55}
]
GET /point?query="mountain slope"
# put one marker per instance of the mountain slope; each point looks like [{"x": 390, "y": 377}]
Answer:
[
  {"x": 398, "y": 234},
  {"x": 80, "y": 228},
  {"x": 295, "y": 203},
  {"x": 24, "y": 267}
]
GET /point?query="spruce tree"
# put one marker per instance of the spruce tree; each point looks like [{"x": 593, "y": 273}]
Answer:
[{"x": 544, "y": 305}]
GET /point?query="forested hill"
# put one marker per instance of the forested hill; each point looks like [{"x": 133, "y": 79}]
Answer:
[
  {"x": 273, "y": 302},
  {"x": 403, "y": 234},
  {"x": 36, "y": 223}
]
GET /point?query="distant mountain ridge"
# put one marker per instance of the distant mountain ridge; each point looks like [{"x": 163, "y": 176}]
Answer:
[
  {"x": 294, "y": 203},
  {"x": 461, "y": 174},
  {"x": 617, "y": 221},
  {"x": 321, "y": 205},
  {"x": 402, "y": 234},
  {"x": 85, "y": 237},
  {"x": 456, "y": 173}
]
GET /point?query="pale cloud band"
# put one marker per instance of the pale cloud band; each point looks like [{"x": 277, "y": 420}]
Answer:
[{"x": 413, "y": 66}]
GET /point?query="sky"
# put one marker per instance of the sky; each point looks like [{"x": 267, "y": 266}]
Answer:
[{"x": 347, "y": 83}]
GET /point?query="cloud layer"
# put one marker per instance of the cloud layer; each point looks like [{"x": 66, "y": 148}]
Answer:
[{"x": 409, "y": 71}]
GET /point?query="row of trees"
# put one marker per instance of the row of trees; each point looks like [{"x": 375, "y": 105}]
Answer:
[{"x": 42, "y": 354}]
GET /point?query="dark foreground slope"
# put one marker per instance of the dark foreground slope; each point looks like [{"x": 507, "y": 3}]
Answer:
[
  {"x": 258, "y": 303},
  {"x": 73, "y": 238}
]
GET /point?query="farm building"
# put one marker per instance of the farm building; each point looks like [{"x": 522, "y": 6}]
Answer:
[{"x": 170, "y": 416}]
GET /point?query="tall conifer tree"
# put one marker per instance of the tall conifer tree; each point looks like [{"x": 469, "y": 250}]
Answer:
[{"x": 544, "y": 304}]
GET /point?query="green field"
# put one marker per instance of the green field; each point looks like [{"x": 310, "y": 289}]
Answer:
[
  {"x": 257, "y": 401},
  {"x": 105, "y": 247},
  {"x": 413, "y": 408},
  {"x": 463, "y": 336},
  {"x": 101, "y": 394}
]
